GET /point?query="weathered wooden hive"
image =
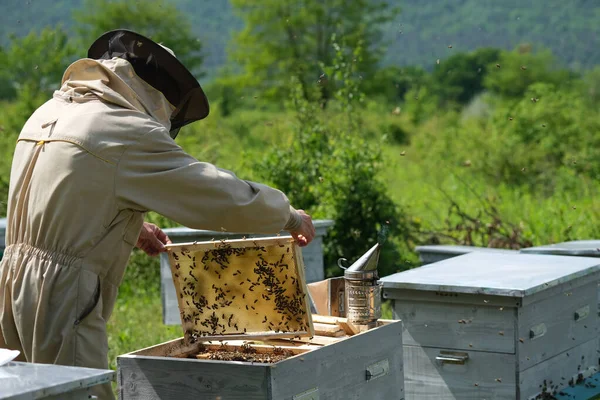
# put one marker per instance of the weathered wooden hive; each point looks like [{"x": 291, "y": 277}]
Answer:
[
  {"x": 249, "y": 334},
  {"x": 505, "y": 326}
]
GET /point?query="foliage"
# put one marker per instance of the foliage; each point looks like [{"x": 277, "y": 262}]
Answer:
[
  {"x": 459, "y": 78},
  {"x": 515, "y": 71},
  {"x": 548, "y": 133},
  {"x": 283, "y": 39},
  {"x": 589, "y": 86},
  {"x": 332, "y": 171},
  {"x": 418, "y": 36},
  {"x": 391, "y": 83},
  {"x": 159, "y": 20},
  {"x": 35, "y": 63},
  {"x": 485, "y": 227}
]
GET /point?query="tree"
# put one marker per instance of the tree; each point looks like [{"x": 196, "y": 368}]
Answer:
[
  {"x": 460, "y": 77},
  {"x": 391, "y": 83},
  {"x": 516, "y": 70},
  {"x": 292, "y": 38},
  {"x": 159, "y": 20},
  {"x": 36, "y": 61}
]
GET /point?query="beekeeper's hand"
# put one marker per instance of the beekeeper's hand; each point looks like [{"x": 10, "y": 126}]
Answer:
[
  {"x": 152, "y": 240},
  {"x": 306, "y": 232}
]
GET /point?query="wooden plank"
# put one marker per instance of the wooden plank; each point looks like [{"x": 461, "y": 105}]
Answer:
[
  {"x": 237, "y": 290},
  {"x": 457, "y": 326},
  {"x": 319, "y": 292},
  {"x": 450, "y": 298},
  {"x": 159, "y": 378},
  {"x": 483, "y": 376},
  {"x": 339, "y": 372},
  {"x": 297, "y": 254},
  {"x": 349, "y": 328},
  {"x": 557, "y": 371},
  {"x": 271, "y": 344},
  {"x": 572, "y": 285},
  {"x": 321, "y": 340},
  {"x": 328, "y": 330},
  {"x": 234, "y": 243},
  {"x": 172, "y": 348},
  {"x": 337, "y": 291},
  {"x": 290, "y": 342},
  {"x": 260, "y": 348},
  {"x": 554, "y": 325},
  {"x": 253, "y": 336}
]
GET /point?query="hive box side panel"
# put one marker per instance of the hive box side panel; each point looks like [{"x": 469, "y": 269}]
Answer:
[
  {"x": 339, "y": 371},
  {"x": 482, "y": 376},
  {"x": 159, "y": 378},
  {"x": 550, "y": 326},
  {"x": 556, "y": 373},
  {"x": 450, "y": 298},
  {"x": 457, "y": 326}
]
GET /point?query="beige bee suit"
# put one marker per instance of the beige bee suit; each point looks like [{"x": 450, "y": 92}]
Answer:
[{"x": 87, "y": 165}]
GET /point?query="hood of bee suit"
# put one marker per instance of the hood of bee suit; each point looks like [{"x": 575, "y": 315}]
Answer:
[{"x": 115, "y": 81}]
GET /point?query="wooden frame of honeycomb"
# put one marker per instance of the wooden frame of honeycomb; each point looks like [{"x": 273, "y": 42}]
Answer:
[{"x": 241, "y": 289}]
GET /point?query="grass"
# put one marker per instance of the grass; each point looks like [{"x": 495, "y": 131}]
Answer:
[{"x": 137, "y": 323}]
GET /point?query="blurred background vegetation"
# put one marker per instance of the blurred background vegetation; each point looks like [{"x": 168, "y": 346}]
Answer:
[{"x": 451, "y": 121}]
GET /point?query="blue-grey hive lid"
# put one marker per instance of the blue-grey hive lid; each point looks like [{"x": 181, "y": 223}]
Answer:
[
  {"x": 459, "y": 249},
  {"x": 510, "y": 275},
  {"x": 579, "y": 248}
]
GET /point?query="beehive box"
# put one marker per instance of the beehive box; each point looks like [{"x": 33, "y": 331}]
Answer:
[
  {"x": 485, "y": 326},
  {"x": 242, "y": 288},
  {"x": 575, "y": 248},
  {"x": 367, "y": 365}
]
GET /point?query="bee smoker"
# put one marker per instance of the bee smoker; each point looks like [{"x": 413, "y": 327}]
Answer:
[{"x": 362, "y": 292}]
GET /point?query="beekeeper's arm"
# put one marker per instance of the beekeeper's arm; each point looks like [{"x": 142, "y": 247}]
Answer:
[{"x": 156, "y": 174}]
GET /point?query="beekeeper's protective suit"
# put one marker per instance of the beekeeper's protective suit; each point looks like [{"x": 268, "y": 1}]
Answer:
[{"x": 87, "y": 165}]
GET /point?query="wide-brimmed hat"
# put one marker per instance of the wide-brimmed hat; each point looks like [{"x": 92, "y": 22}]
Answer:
[{"x": 158, "y": 66}]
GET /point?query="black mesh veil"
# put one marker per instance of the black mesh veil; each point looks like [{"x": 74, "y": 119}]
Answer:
[{"x": 160, "y": 69}]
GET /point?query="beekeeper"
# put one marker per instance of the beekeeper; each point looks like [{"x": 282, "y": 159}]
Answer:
[{"x": 88, "y": 164}]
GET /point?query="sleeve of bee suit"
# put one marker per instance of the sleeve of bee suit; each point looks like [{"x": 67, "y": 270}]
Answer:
[{"x": 155, "y": 174}]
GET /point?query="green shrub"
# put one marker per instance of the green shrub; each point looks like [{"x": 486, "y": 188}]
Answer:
[{"x": 329, "y": 169}]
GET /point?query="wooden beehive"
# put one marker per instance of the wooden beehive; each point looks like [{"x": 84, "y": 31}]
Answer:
[
  {"x": 497, "y": 326},
  {"x": 242, "y": 288},
  {"x": 365, "y": 365}
]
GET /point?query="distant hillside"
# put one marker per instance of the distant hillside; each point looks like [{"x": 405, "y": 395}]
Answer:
[{"x": 421, "y": 34}]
